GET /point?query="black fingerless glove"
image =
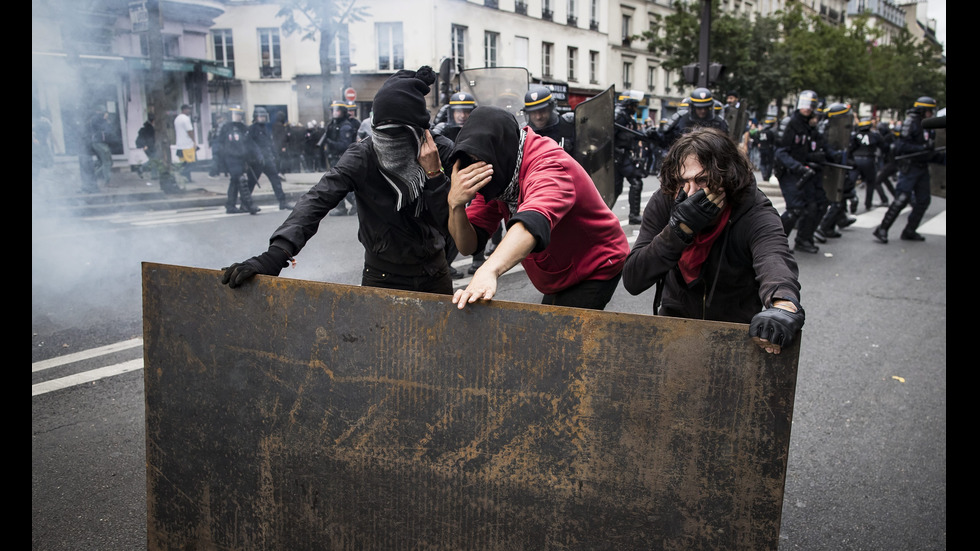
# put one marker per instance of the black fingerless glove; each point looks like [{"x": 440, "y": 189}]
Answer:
[
  {"x": 776, "y": 325},
  {"x": 270, "y": 262},
  {"x": 696, "y": 212}
]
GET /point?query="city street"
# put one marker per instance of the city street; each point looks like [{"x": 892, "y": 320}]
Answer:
[{"x": 867, "y": 461}]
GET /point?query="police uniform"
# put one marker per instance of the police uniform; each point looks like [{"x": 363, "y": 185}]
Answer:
[{"x": 913, "y": 176}]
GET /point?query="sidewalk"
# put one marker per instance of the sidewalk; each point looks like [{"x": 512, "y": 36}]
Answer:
[{"x": 58, "y": 188}]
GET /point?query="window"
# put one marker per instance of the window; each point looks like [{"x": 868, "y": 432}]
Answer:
[
  {"x": 572, "y": 64},
  {"x": 459, "y": 47},
  {"x": 490, "y": 41},
  {"x": 594, "y": 15},
  {"x": 651, "y": 78},
  {"x": 547, "y": 49},
  {"x": 546, "y": 11},
  {"x": 521, "y": 50},
  {"x": 572, "y": 13},
  {"x": 627, "y": 33},
  {"x": 224, "y": 48},
  {"x": 627, "y": 74},
  {"x": 269, "y": 54},
  {"x": 391, "y": 46},
  {"x": 593, "y": 66}
]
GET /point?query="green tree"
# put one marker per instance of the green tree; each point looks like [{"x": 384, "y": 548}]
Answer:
[
  {"x": 906, "y": 69},
  {"x": 751, "y": 50},
  {"x": 326, "y": 21}
]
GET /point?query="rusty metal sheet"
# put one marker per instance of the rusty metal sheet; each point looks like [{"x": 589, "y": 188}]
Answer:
[{"x": 302, "y": 415}]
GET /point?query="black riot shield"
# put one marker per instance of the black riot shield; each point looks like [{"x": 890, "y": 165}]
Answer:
[
  {"x": 837, "y": 136},
  {"x": 937, "y": 171},
  {"x": 502, "y": 87},
  {"x": 737, "y": 118},
  {"x": 594, "y": 131},
  {"x": 291, "y": 414}
]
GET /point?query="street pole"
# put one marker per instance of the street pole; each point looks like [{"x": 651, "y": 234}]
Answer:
[
  {"x": 156, "y": 98},
  {"x": 704, "y": 44}
]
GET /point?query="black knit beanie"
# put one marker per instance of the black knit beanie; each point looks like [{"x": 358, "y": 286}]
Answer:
[{"x": 401, "y": 98}]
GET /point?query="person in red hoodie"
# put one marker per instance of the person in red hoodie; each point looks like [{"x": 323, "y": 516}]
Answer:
[{"x": 571, "y": 245}]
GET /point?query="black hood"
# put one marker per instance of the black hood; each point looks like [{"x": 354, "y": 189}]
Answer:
[{"x": 492, "y": 135}]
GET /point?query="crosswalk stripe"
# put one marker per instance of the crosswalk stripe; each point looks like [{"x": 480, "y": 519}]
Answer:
[{"x": 86, "y": 377}]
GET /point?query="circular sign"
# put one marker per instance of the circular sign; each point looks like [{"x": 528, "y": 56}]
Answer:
[{"x": 350, "y": 94}]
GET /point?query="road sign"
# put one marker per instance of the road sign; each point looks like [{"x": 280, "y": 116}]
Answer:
[{"x": 350, "y": 94}]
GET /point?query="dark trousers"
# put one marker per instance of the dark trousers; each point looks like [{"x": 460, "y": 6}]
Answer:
[
  {"x": 593, "y": 294},
  {"x": 269, "y": 169},
  {"x": 440, "y": 283},
  {"x": 914, "y": 182}
]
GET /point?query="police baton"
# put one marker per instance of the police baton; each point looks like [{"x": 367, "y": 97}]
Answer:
[
  {"x": 640, "y": 135},
  {"x": 920, "y": 153}
]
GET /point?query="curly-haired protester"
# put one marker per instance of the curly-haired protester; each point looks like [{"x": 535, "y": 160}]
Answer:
[{"x": 714, "y": 244}]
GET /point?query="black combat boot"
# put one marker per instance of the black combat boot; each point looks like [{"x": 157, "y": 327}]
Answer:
[
  {"x": 636, "y": 189},
  {"x": 245, "y": 193},
  {"x": 915, "y": 217},
  {"x": 789, "y": 218},
  {"x": 900, "y": 202}
]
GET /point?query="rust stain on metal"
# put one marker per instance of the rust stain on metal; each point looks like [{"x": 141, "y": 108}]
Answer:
[{"x": 303, "y": 415}]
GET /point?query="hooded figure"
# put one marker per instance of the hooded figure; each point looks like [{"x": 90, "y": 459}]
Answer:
[
  {"x": 400, "y": 189},
  {"x": 569, "y": 242}
]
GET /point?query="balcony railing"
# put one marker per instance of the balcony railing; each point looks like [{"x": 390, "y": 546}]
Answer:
[
  {"x": 593, "y": 25},
  {"x": 520, "y": 7},
  {"x": 547, "y": 15},
  {"x": 572, "y": 21}
]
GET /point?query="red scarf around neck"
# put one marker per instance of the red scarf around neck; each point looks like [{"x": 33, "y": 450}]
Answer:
[{"x": 697, "y": 252}]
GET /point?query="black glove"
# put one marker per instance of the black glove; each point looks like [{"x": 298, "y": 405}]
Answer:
[
  {"x": 776, "y": 325},
  {"x": 270, "y": 262},
  {"x": 806, "y": 174},
  {"x": 696, "y": 212}
]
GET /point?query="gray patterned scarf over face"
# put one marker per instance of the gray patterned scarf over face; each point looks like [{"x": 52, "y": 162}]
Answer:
[{"x": 397, "y": 147}]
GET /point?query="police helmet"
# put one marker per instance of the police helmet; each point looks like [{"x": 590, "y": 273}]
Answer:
[
  {"x": 864, "y": 124},
  {"x": 460, "y": 104},
  {"x": 339, "y": 109},
  {"x": 236, "y": 113},
  {"x": 923, "y": 104},
  {"x": 808, "y": 100},
  {"x": 701, "y": 98},
  {"x": 259, "y": 114},
  {"x": 837, "y": 110},
  {"x": 462, "y": 100},
  {"x": 538, "y": 97},
  {"x": 630, "y": 98}
]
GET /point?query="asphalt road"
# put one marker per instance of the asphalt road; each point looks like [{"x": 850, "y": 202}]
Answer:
[{"x": 867, "y": 462}]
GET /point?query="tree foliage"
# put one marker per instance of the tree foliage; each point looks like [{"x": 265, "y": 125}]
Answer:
[
  {"x": 323, "y": 21},
  {"x": 772, "y": 57}
]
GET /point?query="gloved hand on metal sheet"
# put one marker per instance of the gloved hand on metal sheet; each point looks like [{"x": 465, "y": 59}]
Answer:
[
  {"x": 775, "y": 327},
  {"x": 270, "y": 262}
]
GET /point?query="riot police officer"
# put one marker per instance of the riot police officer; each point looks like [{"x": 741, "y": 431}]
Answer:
[
  {"x": 917, "y": 146},
  {"x": 835, "y": 140},
  {"x": 704, "y": 111},
  {"x": 764, "y": 140},
  {"x": 460, "y": 106},
  {"x": 866, "y": 146},
  {"x": 236, "y": 149},
  {"x": 889, "y": 167},
  {"x": 541, "y": 111},
  {"x": 798, "y": 181},
  {"x": 337, "y": 137},
  {"x": 625, "y": 155},
  {"x": 265, "y": 161}
]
